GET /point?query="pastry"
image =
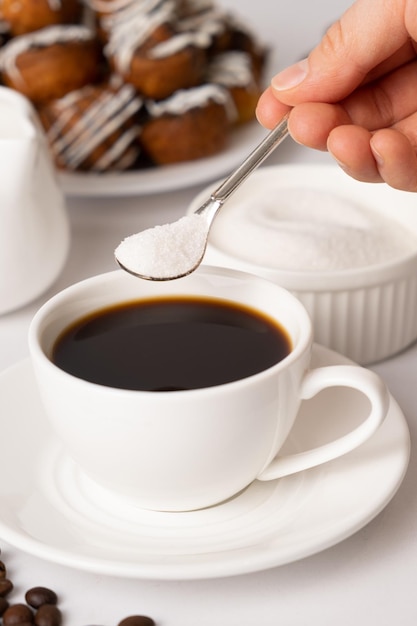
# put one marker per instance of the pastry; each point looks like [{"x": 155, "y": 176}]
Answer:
[
  {"x": 25, "y": 16},
  {"x": 191, "y": 124},
  {"x": 149, "y": 51},
  {"x": 94, "y": 128},
  {"x": 51, "y": 62},
  {"x": 234, "y": 70}
]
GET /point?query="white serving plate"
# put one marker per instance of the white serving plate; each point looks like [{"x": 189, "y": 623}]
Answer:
[{"x": 167, "y": 177}]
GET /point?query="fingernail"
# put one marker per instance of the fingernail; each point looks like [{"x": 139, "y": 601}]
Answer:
[
  {"x": 291, "y": 76},
  {"x": 377, "y": 156}
]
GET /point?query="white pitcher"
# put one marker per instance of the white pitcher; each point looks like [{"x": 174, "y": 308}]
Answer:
[{"x": 34, "y": 229}]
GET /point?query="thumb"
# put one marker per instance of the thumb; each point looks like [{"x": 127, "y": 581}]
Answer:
[{"x": 366, "y": 35}]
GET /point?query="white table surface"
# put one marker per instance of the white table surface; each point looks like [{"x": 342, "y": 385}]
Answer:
[{"x": 368, "y": 578}]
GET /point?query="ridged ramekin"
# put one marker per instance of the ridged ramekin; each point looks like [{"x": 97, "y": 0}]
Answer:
[{"x": 367, "y": 313}]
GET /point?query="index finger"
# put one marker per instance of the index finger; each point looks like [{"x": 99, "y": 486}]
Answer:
[{"x": 366, "y": 36}]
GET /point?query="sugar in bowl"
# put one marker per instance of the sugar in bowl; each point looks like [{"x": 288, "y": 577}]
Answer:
[{"x": 346, "y": 249}]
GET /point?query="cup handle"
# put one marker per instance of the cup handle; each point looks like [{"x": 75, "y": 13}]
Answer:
[{"x": 316, "y": 380}]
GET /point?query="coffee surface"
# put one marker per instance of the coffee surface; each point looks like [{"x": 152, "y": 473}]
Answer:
[{"x": 170, "y": 344}]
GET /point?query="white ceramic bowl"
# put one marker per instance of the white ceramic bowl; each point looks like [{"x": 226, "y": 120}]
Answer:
[{"x": 367, "y": 313}]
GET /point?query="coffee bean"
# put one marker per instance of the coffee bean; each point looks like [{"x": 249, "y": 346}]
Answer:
[
  {"x": 17, "y": 614},
  {"x": 137, "y": 620},
  {"x": 40, "y": 595},
  {"x": 48, "y": 615},
  {"x": 6, "y": 586},
  {"x": 3, "y": 605},
  {"x": 44, "y": 600}
]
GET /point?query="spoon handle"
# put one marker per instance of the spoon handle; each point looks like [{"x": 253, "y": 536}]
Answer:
[{"x": 255, "y": 158}]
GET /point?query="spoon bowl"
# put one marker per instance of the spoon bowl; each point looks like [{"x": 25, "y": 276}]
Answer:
[{"x": 176, "y": 249}]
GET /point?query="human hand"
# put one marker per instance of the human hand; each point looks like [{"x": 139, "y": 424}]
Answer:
[{"x": 356, "y": 94}]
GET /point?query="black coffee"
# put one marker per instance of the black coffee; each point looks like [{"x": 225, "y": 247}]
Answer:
[{"x": 171, "y": 344}]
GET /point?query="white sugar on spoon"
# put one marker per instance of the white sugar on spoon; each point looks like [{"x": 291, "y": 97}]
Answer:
[
  {"x": 174, "y": 250},
  {"x": 163, "y": 251}
]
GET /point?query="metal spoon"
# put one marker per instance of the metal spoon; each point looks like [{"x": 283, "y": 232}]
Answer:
[{"x": 174, "y": 250}]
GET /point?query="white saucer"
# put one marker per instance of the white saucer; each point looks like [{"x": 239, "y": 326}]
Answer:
[{"x": 50, "y": 509}]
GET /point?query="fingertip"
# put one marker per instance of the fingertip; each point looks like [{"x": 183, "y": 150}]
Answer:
[
  {"x": 269, "y": 110},
  {"x": 395, "y": 158},
  {"x": 311, "y": 123},
  {"x": 349, "y": 145}
]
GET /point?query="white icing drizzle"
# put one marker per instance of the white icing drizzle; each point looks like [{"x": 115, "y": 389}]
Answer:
[
  {"x": 212, "y": 22},
  {"x": 105, "y": 115},
  {"x": 130, "y": 32},
  {"x": 118, "y": 156},
  {"x": 111, "y": 6},
  {"x": 131, "y": 26},
  {"x": 231, "y": 69},
  {"x": 179, "y": 42},
  {"x": 196, "y": 6},
  {"x": 102, "y": 6},
  {"x": 145, "y": 6},
  {"x": 55, "y": 5},
  {"x": 184, "y": 100},
  {"x": 40, "y": 38},
  {"x": 137, "y": 14}
]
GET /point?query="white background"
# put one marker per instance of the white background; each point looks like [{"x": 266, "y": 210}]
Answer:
[{"x": 368, "y": 578}]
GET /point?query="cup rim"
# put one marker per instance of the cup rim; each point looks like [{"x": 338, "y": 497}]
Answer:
[{"x": 46, "y": 311}]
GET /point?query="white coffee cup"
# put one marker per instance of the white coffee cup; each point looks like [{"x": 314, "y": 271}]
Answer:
[{"x": 191, "y": 449}]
